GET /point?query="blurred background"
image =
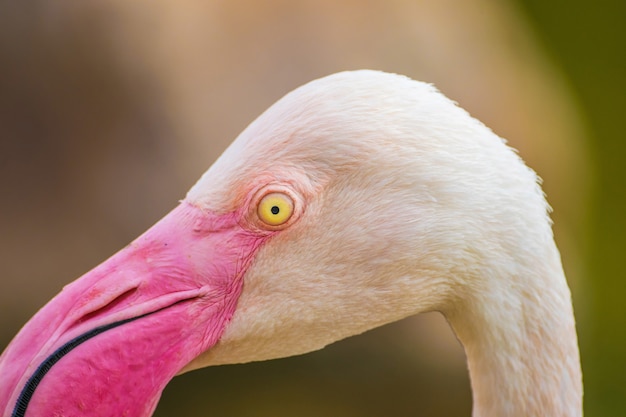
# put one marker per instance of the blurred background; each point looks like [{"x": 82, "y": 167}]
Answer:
[{"x": 110, "y": 110}]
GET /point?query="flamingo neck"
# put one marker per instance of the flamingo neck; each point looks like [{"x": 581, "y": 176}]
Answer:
[{"x": 521, "y": 346}]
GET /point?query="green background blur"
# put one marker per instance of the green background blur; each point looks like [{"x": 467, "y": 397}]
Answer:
[
  {"x": 587, "y": 41},
  {"x": 109, "y": 110}
]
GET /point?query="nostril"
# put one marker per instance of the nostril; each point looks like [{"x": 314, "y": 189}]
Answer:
[{"x": 109, "y": 307}]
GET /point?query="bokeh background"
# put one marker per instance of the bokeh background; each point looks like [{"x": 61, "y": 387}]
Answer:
[{"x": 110, "y": 110}]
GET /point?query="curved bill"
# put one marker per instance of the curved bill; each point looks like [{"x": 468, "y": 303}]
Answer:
[{"x": 110, "y": 341}]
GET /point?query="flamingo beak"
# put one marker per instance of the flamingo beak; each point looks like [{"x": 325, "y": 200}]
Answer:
[{"x": 110, "y": 341}]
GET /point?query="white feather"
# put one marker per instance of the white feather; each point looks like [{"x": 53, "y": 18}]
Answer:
[{"x": 408, "y": 205}]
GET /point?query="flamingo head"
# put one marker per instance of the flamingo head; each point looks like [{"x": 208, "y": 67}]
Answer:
[{"x": 356, "y": 200}]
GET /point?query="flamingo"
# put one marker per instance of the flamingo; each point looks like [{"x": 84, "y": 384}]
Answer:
[{"x": 356, "y": 200}]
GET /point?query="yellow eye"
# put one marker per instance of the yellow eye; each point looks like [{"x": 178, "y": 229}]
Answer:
[{"x": 275, "y": 209}]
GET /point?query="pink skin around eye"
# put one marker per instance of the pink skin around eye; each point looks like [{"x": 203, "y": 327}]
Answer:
[{"x": 179, "y": 282}]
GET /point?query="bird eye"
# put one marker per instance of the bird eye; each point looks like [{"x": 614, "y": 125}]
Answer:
[{"x": 275, "y": 209}]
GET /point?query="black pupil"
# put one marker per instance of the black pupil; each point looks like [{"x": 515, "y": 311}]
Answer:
[{"x": 275, "y": 209}]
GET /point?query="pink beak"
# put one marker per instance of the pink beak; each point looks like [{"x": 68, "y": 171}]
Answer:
[{"x": 110, "y": 341}]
